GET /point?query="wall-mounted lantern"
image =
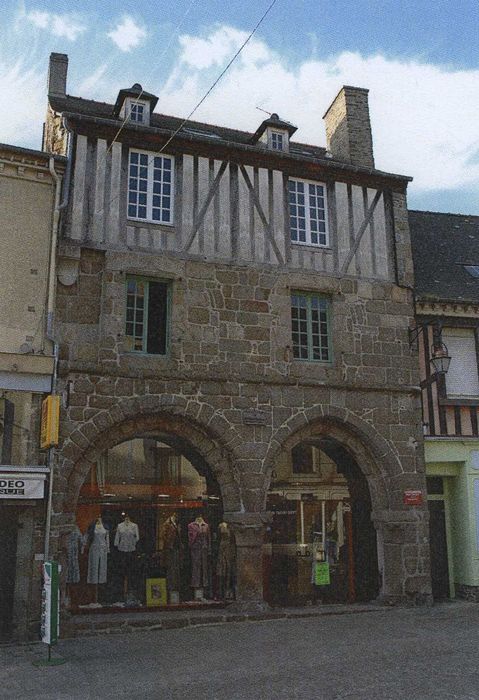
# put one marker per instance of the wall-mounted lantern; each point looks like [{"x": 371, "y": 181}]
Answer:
[{"x": 440, "y": 359}]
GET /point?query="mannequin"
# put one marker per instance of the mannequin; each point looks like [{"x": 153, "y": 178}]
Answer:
[
  {"x": 225, "y": 565},
  {"x": 75, "y": 545},
  {"x": 126, "y": 538},
  {"x": 172, "y": 545},
  {"x": 99, "y": 542},
  {"x": 199, "y": 540}
]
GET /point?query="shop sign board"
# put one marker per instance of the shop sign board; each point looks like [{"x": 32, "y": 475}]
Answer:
[
  {"x": 50, "y": 623},
  {"x": 321, "y": 573},
  {"x": 50, "y": 422},
  {"x": 412, "y": 498},
  {"x": 22, "y": 485}
]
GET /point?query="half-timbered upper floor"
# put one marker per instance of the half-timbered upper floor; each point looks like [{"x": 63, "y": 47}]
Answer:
[
  {"x": 446, "y": 262},
  {"x": 146, "y": 182}
]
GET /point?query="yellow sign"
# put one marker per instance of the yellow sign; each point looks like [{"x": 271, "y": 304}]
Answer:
[
  {"x": 156, "y": 592},
  {"x": 50, "y": 422}
]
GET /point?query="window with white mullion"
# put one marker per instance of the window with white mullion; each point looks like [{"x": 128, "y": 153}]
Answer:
[
  {"x": 307, "y": 212},
  {"x": 137, "y": 111},
  {"x": 150, "y": 187}
]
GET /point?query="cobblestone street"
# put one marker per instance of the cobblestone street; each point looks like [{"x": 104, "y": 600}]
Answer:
[{"x": 379, "y": 655}]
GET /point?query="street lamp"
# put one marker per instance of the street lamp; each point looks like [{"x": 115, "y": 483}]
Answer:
[{"x": 440, "y": 359}]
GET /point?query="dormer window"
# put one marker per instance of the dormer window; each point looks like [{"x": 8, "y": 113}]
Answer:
[
  {"x": 135, "y": 105},
  {"x": 274, "y": 133},
  {"x": 136, "y": 112},
  {"x": 277, "y": 141}
]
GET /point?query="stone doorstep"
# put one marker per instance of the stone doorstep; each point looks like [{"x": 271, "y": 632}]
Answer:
[{"x": 120, "y": 623}]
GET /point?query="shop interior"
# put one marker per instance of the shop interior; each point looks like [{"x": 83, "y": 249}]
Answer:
[
  {"x": 321, "y": 544},
  {"x": 150, "y": 532}
]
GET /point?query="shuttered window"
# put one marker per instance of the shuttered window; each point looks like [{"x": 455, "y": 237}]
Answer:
[{"x": 462, "y": 378}]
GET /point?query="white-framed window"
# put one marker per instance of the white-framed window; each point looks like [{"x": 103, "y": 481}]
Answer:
[
  {"x": 150, "y": 187},
  {"x": 277, "y": 141},
  {"x": 307, "y": 213},
  {"x": 137, "y": 112},
  {"x": 462, "y": 378}
]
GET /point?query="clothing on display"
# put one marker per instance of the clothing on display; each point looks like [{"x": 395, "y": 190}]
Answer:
[
  {"x": 199, "y": 540},
  {"x": 171, "y": 535},
  {"x": 127, "y": 536},
  {"x": 226, "y": 562},
  {"x": 75, "y": 545},
  {"x": 99, "y": 539}
]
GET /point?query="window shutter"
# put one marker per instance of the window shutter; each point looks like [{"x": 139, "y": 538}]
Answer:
[{"x": 462, "y": 378}]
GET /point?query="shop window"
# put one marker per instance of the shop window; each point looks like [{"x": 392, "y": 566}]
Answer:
[
  {"x": 462, "y": 378},
  {"x": 310, "y": 327},
  {"x": 150, "y": 187},
  {"x": 147, "y": 312},
  {"x": 149, "y": 533}
]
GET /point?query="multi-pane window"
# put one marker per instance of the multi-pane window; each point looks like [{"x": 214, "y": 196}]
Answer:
[
  {"x": 277, "y": 141},
  {"x": 310, "y": 327},
  {"x": 137, "y": 112},
  {"x": 307, "y": 212},
  {"x": 150, "y": 187},
  {"x": 147, "y": 305}
]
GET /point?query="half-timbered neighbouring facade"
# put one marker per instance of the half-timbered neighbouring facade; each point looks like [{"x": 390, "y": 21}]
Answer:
[
  {"x": 238, "y": 305},
  {"x": 446, "y": 261}
]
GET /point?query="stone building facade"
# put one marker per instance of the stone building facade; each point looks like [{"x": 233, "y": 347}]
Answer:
[
  {"x": 30, "y": 189},
  {"x": 229, "y": 386}
]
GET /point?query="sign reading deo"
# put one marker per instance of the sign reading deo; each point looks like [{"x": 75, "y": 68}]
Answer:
[{"x": 15, "y": 486}]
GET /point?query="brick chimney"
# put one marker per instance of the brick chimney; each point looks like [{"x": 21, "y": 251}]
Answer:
[
  {"x": 57, "y": 74},
  {"x": 348, "y": 129}
]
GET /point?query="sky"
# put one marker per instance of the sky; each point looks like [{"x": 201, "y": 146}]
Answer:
[{"x": 419, "y": 59}]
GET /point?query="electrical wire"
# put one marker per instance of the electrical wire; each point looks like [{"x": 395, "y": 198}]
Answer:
[
  {"x": 165, "y": 50},
  {"x": 210, "y": 89}
]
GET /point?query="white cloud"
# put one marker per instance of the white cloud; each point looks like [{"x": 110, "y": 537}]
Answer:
[
  {"x": 69, "y": 26},
  {"x": 127, "y": 34},
  {"x": 424, "y": 116},
  {"x": 23, "y": 89}
]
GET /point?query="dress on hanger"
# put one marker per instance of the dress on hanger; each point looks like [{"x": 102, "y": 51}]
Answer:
[
  {"x": 199, "y": 540},
  {"x": 98, "y": 554}
]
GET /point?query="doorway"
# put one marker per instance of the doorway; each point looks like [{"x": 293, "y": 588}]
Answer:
[
  {"x": 8, "y": 557},
  {"x": 438, "y": 539}
]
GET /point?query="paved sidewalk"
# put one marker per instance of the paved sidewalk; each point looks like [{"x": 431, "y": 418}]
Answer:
[{"x": 392, "y": 654}]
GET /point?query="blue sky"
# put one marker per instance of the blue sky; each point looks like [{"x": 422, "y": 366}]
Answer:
[{"x": 420, "y": 61}]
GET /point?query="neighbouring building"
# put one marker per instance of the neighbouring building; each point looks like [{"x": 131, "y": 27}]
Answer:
[
  {"x": 242, "y": 416},
  {"x": 30, "y": 184},
  {"x": 446, "y": 261}
]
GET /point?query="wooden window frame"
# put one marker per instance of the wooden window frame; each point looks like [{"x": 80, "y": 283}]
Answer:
[
  {"x": 146, "y": 281},
  {"x": 311, "y": 348}
]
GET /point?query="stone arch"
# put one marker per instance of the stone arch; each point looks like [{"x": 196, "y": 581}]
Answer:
[
  {"x": 373, "y": 454},
  {"x": 210, "y": 436}
]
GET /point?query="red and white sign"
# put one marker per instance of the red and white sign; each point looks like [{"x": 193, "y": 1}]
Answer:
[{"x": 412, "y": 498}]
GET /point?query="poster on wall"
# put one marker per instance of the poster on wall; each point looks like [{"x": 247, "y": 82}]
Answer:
[{"x": 156, "y": 592}]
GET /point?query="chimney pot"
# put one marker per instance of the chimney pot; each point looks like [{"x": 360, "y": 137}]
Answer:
[{"x": 57, "y": 74}]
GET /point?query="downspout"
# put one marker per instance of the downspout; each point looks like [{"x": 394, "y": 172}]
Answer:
[{"x": 59, "y": 206}]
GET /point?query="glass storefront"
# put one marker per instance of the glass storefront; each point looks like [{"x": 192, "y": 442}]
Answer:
[
  {"x": 310, "y": 552},
  {"x": 150, "y": 532}
]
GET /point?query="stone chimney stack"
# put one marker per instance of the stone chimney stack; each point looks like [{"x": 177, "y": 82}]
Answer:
[
  {"x": 348, "y": 129},
  {"x": 57, "y": 74}
]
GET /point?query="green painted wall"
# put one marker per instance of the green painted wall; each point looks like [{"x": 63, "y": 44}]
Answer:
[{"x": 454, "y": 460}]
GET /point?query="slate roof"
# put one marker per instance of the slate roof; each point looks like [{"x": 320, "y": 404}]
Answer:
[
  {"x": 441, "y": 245},
  {"x": 104, "y": 110}
]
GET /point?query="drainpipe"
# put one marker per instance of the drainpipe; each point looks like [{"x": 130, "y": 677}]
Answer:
[{"x": 59, "y": 206}]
